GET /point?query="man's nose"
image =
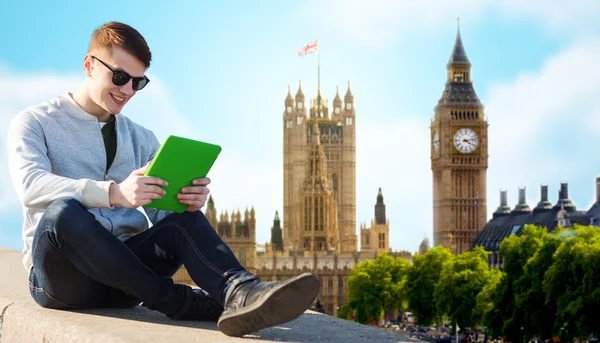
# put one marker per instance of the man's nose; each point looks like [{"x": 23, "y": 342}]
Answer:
[{"x": 128, "y": 88}]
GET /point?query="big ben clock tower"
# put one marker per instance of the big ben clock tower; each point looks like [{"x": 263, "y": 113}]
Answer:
[{"x": 459, "y": 158}]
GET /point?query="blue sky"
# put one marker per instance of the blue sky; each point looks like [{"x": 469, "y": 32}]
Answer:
[{"x": 220, "y": 74}]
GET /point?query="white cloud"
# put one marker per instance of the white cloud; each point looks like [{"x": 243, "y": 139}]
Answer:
[
  {"x": 575, "y": 16},
  {"x": 542, "y": 127},
  {"x": 377, "y": 22}
]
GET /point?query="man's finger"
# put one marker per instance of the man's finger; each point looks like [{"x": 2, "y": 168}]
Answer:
[
  {"x": 201, "y": 182},
  {"x": 149, "y": 188},
  {"x": 195, "y": 190},
  {"x": 141, "y": 170},
  {"x": 153, "y": 180},
  {"x": 193, "y": 196}
]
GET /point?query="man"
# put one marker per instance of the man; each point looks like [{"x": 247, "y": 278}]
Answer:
[{"x": 78, "y": 167}]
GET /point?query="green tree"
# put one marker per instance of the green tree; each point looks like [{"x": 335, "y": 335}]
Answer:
[
  {"x": 483, "y": 302},
  {"x": 375, "y": 286},
  {"x": 421, "y": 281},
  {"x": 530, "y": 298},
  {"x": 460, "y": 282},
  {"x": 573, "y": 281},
  {"x": 505, "y": 319}
]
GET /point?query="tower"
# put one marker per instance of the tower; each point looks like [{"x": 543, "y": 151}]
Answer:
[
  {"x": 459, "y": 157},
  {"x": 276, "y": 233},
  {"x": 377, "y": 237},
  {"x": 211, "y": 212},
  {"x": 317, "y": 136}
]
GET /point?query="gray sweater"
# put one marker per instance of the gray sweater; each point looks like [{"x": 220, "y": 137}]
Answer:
[{"x": 55, "y": 150}]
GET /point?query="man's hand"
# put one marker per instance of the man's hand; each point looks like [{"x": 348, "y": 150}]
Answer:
[
  {"x": 195, "y": 196},
  {"x": 137, "y": 190}
]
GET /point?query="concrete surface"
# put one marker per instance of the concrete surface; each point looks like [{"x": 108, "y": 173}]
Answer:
[
  {"x": 22, "y": 320},
  {"x": 13, "y": 276}
]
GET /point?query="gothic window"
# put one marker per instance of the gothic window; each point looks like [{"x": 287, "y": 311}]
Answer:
[
  {"x": 316, "y": 214},
  {"x": 348, "y": 121},
  {"x": 289, "y": 109},
  {"x": 288, "y": 124},
  {"x": 299, "y": 105},
  {"x": 348, "y": 106},
  {"x": 306, "y": 214},
  {"x": 337, "y": 110},
  {"x": 299, "y": 120}
]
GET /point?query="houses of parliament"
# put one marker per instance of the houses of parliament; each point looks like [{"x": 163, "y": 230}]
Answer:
[{"x": 318, "y": 231}]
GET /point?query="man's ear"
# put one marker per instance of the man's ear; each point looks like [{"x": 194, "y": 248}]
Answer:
[{"x": 87, "y": 65}]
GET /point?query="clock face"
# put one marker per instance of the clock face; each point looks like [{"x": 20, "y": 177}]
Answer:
[
  {"x": 466, "y": 140},
  {"x": 436, "y": 141}
]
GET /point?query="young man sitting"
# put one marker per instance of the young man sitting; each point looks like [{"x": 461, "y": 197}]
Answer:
[{"x": 78, "y": 167}]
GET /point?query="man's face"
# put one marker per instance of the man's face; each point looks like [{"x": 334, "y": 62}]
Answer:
[{"x": 102, "y": 90}]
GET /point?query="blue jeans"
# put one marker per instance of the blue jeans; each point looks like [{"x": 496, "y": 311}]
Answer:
[{"x": 77, "y": 263}]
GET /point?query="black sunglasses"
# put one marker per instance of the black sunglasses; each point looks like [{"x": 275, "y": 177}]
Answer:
[{"x": 120, "y": 78}]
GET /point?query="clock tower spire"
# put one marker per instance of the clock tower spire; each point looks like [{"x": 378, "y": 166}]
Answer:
[{"x": 459, "y": 157}]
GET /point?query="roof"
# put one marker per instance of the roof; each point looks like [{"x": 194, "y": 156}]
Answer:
[
  {"x": 459, "y": 55},
  {"x": 459, "y": 95},
  {"x": 502, "y": 226}
]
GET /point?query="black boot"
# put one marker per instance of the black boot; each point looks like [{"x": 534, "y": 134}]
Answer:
[
  {"x": 255, "y": 305},
  {"x": 203, "y": 308}
]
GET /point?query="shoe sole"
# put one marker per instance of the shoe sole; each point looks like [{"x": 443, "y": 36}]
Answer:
[{"x": 281, "y": 304}]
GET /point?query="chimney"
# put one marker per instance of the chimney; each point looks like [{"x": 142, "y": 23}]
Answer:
[
  {"x": 598, "y": 189},
  {"x": 522, "y": 206},
  {"x": 563, "y": 198},
  {"x": 522, "y": 194},
  {"x": 503, "y": 209},
  {"x": 544, "y": 204},
  {"x": 544, "y": 189},
  {"x": 564, "y": 191}
]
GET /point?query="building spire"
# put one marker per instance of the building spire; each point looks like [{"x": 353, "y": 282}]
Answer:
[
  {"x": 289, "y": 101},
  {"x": 337, "y": 101},
  {"x": 380, "y": 209},
  {"x": 299, "y": 93},
  {"x": 459, "y": 55},
  {"x": 349, "y": 97}
]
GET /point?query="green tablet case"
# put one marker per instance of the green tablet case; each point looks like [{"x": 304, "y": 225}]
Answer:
[{"x": 179, "y": 161}]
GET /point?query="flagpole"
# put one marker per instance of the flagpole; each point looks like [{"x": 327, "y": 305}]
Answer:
[{"x": 319, "y": 77}]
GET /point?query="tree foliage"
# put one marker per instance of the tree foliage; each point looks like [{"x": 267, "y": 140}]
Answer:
[
  {"x": 506, "y": 319},
  {"x": 549, "y": 286},
  {"x": 375, "y": 286},
  {"x": 421, "y": 282},
  {"x": 573, "y": 282},
  {"x": 483, "y": 302},
  {"x": 461, "y": 280}
]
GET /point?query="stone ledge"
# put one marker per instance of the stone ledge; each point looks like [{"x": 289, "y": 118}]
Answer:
[{"x": 22, "y": 320}]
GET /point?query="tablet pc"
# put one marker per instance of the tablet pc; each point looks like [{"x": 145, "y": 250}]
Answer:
[{"x": 179, "y": 161}]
